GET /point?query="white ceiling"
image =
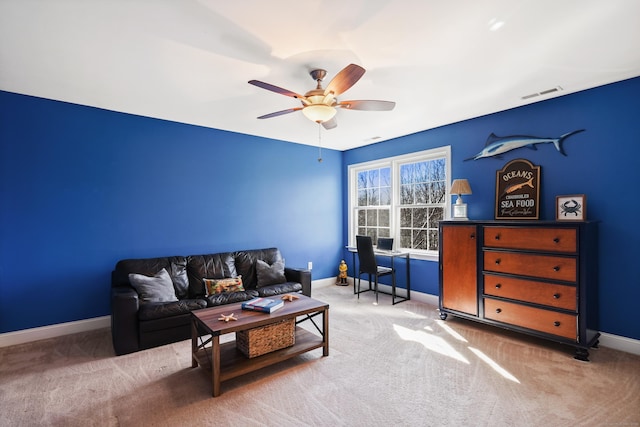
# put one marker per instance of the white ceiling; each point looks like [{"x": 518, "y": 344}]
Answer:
[{"x": 190, "y": 60}]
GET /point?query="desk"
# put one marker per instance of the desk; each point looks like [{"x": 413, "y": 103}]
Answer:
[{"x": 389, "y": 254}]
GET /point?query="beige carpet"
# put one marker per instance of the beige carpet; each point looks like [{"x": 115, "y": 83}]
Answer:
[{"x": 389, "y": 365}]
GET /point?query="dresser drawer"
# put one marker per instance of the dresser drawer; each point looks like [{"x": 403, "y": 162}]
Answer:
[
  {"x": 532, "y": 238},
  {"x": 543, "y": 266},
  {"x": 559, "y": 296},
  {"x": 550, "y": 322}
]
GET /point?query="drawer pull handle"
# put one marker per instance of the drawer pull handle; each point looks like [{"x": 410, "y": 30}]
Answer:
[
  {"x": 556, "y": 323},
  {"x": 556, "y": 296},
  {"x": 556, "y": 240},
  {"x": 473, "y": 236},
  {"x": 498, "y": 261},
  {"x": 497, "y": 237},
  {"x": 556, "y": 268},
  {"x": 498, "y": 310},
  {"x": 498, "y": 286}
]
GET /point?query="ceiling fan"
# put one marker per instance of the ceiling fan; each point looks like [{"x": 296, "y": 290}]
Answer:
[{"x": 319, "y": 105}]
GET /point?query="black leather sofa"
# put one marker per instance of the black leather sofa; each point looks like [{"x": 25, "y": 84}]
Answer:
[{"x": 138, "y": 324}]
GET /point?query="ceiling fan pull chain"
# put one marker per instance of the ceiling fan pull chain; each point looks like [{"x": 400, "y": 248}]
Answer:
[{"x": 319, "y": 142}]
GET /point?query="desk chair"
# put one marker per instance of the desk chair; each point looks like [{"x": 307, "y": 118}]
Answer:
[{"x": 369, "y": 265}]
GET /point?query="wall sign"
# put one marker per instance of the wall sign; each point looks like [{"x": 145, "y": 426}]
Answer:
[{"x": 518, "y": 190}]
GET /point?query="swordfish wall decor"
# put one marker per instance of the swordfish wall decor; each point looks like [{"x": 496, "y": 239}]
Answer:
[{"x": 497, "y": 145}]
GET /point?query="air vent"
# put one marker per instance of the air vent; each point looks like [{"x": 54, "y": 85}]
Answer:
[
  {"x": 373, "y": 138},
  {"x": 555, "y": 89},
  {"x": 533, "y": 95},
  {"x": 544, "y": 92}
]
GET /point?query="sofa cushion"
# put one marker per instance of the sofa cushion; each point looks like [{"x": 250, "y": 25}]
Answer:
[
  {"x": 218, "y": 286},
  {"x": 178, "y": 272},
  {"x": 212, "y": 266},
  {"x": 164, "y": 324},
  {"x": 269, "y": 274},
  {"x": 157, "y": 288},
  {"x": 245, "y": 263},
  {"x": 148, "y": 267},
  {"x": 231, "y": 297},
  {"x": 279, "y": 289},
  {"x": 159, "y": 310}
]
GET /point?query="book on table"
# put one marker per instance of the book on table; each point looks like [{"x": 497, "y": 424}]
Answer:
[{"x": 266, "y": 305}]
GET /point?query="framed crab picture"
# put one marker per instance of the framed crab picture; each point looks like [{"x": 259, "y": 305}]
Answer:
[{"x": 571, "y": 208}]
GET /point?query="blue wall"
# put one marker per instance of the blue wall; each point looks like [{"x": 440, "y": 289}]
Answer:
[
  {"x": 83, "y": 187},
  {"x": 601, "y": 163}
]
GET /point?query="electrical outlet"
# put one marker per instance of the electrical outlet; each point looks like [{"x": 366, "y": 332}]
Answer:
[{"x": 309, "y": 265}]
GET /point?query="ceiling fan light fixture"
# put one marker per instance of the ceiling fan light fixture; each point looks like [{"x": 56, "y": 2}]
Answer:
[
  {"x": 319, "y": 105},
  {"x": 319, "y": 112}
]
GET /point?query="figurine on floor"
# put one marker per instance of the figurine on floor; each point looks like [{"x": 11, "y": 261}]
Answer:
[{"x": 342, "y": 277}]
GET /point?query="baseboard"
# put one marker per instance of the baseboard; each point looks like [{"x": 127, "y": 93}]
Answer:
[
  {"x": 321, "y": 283},
  {"x": 615, "y": 342},
  {"x": 415, "y": 296},
  {"x": 52, "y": 331},
  {"x": 621, "y": 343}
]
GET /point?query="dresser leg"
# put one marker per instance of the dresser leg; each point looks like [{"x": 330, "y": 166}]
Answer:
[
  {"x": 443, "y": 316},
  {"x": 582, "y": 354}
]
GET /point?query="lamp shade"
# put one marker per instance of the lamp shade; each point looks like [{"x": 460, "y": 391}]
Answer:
[
  {"x": 319, "y": 112},
  {"x": 460, "y": 186}
]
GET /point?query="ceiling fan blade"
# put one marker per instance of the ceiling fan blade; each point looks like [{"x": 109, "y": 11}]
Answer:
[
  {"x": 275, "y": 89},
  {"x": 330, "y": 124},
  {"x": 280, "y": 113},
  {"x": 367, "y": 105},
  {"x": 346, "y": 78}
]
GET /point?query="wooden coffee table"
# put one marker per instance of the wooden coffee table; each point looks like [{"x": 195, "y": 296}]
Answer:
[{"x": 226, "y": 362}]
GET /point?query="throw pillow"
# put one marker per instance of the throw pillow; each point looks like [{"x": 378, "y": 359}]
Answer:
[
  {"x": 158, "y": 288},
  {"x": 219, "y": 286},
  {"x": 178, "y": 273},
  {"x": 270, "y": 274}
]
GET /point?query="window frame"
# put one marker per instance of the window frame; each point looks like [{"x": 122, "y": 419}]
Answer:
[{"x": 394, "y": 163}]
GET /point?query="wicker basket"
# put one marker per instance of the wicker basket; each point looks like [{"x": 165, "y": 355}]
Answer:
[{"x": 258, "y": 341}]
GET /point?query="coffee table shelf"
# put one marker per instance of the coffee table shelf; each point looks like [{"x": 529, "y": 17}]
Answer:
[{"x": 233, "y": 363}]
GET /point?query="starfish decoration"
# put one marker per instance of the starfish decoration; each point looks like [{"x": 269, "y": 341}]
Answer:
[
  {"x": 226, "y": 318},
  {"x": 290, "y": 297}
]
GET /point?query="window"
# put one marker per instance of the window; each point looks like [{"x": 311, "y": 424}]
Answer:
[
  {"x": 374, "y": 202},
  {"x": 402, "y": 197}
]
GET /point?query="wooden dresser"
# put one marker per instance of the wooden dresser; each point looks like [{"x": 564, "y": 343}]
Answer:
[{"x": 535, "y": 277}]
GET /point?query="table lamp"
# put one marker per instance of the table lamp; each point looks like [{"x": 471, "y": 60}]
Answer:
[{"x": 460, "y": 187}]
